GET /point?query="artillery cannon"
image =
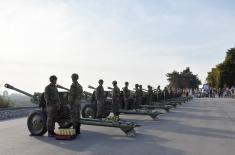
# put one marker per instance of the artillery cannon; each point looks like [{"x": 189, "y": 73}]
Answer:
[
  {"x": 36, "y": 121},
  {"x": 145, "y": 105},
  {"x": 156, "y": 102},
  {"x": 91, "y": 107}
]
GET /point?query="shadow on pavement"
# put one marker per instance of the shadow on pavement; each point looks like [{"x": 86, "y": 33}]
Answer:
[{"x": 98, "y": 143}]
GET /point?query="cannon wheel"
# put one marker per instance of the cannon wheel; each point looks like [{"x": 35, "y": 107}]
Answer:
[
  {"x": 106, "y": 114},
  {"x": 167, "y": 109},
  {"x": 88, "y": 111},
  {"x": 130, "y": 132},
  {"x": 106, "y": 111},
  {"x": 37, "y": 123},
  {"x": 154, "y": 116}
]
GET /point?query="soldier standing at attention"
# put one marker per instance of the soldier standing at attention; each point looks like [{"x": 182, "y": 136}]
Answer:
[
  {"x": 100, "y": 98},
  {"x": 52, "y": 99},
  {"x": 141, "y": 94},
  {"x": 159, "y": 92},
  {"x": 126, "y": 95},
  {"x": 115, "y": 99},
  {"x": 137, "y": 96},
  {"x": 150, "y": 95},
  {"x": 76, "y": 93}
]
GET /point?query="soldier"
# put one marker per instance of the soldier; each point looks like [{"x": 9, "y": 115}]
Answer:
[
  {"x": 52, "y": 99},
  {"x": 115, "y": 99},
  {"x": 100, "y": 98},
  {"x": 150, "y": 95},
  {"x": 141, "y": 95},
  {"x": 126, "y": 95},
  {"x": 76, "y": 93},
  {"x": 158, "y": 92},
  {"x": 165, "y": 93},
  {"x": 137, "y": 96}
]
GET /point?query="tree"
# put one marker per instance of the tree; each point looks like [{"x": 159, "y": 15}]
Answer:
[
  {"x": 214, "y": 77},
  {"x": 223, "y": 73},
  {"x": 184, "y": 79}
]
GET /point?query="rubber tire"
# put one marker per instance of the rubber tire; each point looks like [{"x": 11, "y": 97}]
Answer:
[
  {"x": 44, "y": 119},
  {"x": 92, "y": 106},
  {"x": 107, "y": 109}
]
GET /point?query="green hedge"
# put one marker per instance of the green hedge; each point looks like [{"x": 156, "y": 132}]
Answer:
[{"x": 5, "y": 103}]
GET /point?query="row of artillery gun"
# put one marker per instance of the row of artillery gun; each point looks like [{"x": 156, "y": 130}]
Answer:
[{"x": 159, "y": 104}]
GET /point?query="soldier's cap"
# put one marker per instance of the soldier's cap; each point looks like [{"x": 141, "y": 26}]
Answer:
[
  {"x": 114, "y": 82},
  {"x": 52, "y": 78},
  {"x": 126, "y": 83},
  {"x": 140, "y": 86},
  {"x": 75, "y": 76},
  {"x": 101, "y": 81},
  {"x": 136, "y": 85}
]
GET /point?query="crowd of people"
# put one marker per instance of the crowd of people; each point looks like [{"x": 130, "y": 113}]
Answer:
[{"x": 223, "y": 92}]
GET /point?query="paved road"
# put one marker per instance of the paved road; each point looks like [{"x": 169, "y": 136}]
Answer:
[{"x": 200, "y": 127}]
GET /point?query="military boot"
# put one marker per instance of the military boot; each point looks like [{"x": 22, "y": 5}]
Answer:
[
  {"x": 51, "y": 133},
  {"x": 78, "y": 131}
]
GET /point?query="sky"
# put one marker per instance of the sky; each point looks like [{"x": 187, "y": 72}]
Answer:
[{"x": 125, "y": 40}]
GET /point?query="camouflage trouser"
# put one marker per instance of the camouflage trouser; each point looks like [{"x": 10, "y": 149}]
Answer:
[
  {"x": 52, "y": 114},
  {"x": 75, "y": 111},
  {"x": 115, "y": 107},
  {"x": 126, "y": 103},
  {"x": 150, "y": 101},
  {"x": 100, "y": 108},
  {"x": 137, "y": 103}
]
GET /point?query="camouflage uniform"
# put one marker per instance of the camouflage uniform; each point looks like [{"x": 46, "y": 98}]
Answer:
[
  {"x": 165, "y": 93},
  {"x": 76, "y": 93},
  {"x": 126, "y": 95},
  {"x": 116, "y": 101},
  {"x": 137, "y": 98},
  {"x": 141, "y": 94},
  {"x": 100, "y": 98},
  {"x": 158, "y": 93},
  {"x": 150, "y": 96},
  {"x": 52, "y": 99}
]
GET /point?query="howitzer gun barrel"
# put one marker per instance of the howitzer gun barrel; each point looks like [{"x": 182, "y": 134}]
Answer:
[
  {"x": 110, "y": 88},
  {"x": 18, "y": 90},
  {"x": 61, "y": 87},
  {"x": 145, "y": 90},
  {"x": 91, "y": 87},
  {"x": 132, "y": 91}
]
